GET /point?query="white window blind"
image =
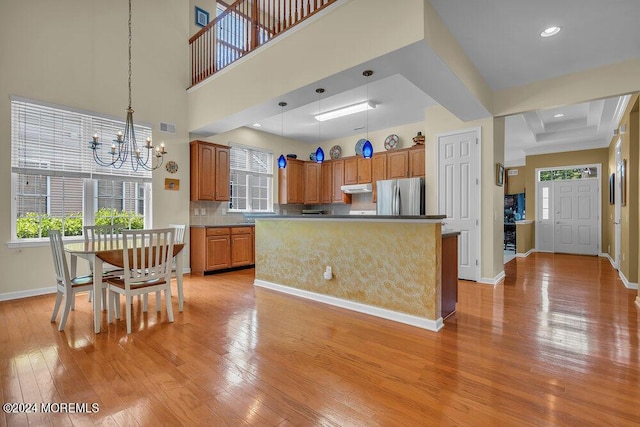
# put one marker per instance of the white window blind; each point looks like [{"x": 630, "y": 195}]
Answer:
[
  {"x": 54, "y": 141},
  {"x": 251, "y": 179}
]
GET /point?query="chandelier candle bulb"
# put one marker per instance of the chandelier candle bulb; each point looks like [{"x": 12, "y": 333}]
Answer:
[{"x": 113, "y": 149}]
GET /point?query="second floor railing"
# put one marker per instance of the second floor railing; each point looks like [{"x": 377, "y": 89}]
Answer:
[{"x": 241, "y": 28}]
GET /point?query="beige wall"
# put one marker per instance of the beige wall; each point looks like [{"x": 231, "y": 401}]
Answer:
[
  {"x": 516, "y": 183},
  {"x": 75, "y": 54},
  {"x": 525, "y": 237}
]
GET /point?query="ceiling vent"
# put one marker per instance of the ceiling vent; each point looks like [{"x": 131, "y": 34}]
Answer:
[{"x": 167, "y": 127}]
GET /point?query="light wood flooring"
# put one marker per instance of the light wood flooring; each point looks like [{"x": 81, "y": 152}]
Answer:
[{"x": 555, "y": 344}]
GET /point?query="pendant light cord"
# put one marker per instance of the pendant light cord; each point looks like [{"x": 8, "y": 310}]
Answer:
[{"x": 129, "y": 54}]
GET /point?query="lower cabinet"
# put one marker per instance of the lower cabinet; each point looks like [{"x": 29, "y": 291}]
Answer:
[
  {"x": 218, "y": 248},
  {"x": 449, "y": 274}
]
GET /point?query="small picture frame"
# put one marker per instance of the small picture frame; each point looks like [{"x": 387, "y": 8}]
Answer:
[
  {"x": 499, "y": 174},
  {"x": 171, "y": 184},
  {"x": 202, "y": 17},
  {"x": 612, "y": 189}
]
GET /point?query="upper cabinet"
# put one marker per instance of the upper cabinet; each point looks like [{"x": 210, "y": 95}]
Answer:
[
  {"x": 417, "y": 161},
  {"x": 378, "y": 170},
  {"x": 397, "y": 164},
  {"x": 209, "y": 171},
  {"x": 327, "y": 182},
  {"x": 291, "y": 182},
  {"x": 312, "y": 183}
]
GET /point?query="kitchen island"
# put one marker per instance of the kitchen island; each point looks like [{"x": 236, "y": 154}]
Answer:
[{"x": 386, "y": 266}]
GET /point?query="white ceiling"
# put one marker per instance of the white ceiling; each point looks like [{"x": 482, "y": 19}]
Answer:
[{"x": 501, "y": 38}]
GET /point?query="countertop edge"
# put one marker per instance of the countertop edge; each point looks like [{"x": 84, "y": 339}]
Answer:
[{"x": 223, "y": 225}]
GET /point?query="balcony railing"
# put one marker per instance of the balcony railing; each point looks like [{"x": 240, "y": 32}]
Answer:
[{"x": 241, "y": 28}]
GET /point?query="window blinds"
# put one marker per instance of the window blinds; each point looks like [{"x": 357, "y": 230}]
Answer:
[{"x": 54, "y": 141}]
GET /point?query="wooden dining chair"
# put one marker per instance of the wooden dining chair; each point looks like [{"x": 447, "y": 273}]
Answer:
[
  {"x": 110, "y": 235},
  {"x": 179, "y": 238},
  {"x": 147, "y": 258},
  {"x": 66, "y": 286}
]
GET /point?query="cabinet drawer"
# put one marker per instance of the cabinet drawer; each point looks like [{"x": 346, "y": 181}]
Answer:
[
  {"x": 241, "y": 230},
  {"x": 219, "y": 231}
]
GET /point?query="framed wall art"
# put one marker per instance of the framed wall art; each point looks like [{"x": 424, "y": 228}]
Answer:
[
  {"x": 499, "y": 174},
  {"x": 612, "y": 189},
  {"x": 202, "y": 17}
]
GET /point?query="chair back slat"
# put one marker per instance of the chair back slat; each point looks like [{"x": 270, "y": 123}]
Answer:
[
  {"x": 179, "y": 232},
  {"x": 147, "y": 255},
  {"x": 59, "y": 258},
  {"x": 109, "y": 235}
]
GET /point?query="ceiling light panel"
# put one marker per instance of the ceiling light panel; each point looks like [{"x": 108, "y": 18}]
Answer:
[{"x": 345, "y": 111}]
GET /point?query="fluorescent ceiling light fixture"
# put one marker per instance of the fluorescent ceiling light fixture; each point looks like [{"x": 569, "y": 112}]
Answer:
[
  {"x": 558, "y": 115},
  {"x": 257, "y": 125},
  {"x": 345, "y": 111},
  {"x": 551, "y": 31}
]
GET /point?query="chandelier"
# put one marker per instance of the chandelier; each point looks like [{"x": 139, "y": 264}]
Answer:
[{"x": 125, "y": 147}]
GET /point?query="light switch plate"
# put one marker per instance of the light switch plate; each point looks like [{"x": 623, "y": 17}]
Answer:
[
  {"x": 203, "y": 211},
  {"x": 196, "y": 211}
]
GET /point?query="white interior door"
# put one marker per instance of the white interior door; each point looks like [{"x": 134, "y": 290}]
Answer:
[
  {"x": 458, "y": 196},
  {"x": 576, "y": 216},
  {"x": 544, "y": 215}
]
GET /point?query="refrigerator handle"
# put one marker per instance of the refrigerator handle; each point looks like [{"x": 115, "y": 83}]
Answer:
[{"x": 396, "y": 200}]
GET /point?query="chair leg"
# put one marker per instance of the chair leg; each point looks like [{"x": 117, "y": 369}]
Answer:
[
  {"x": 145, "y": 302},
  {"x": 104, "y": 298},
  {"x": 56, "y": 307},
  {"x": 128, "y": 304},
  {"x": 116, "y": 297},
  {"x": 158, "y": 295},
  {"x": 68, "y": 304},
  {"x": 167, "y": 297},
  {"x": 180, "y": 292},
  {"x": 90, "y": 296}
]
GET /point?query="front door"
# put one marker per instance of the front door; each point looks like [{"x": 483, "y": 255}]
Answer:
[
  {"x": 544, "y": 215},
  {"x": 576, "y": 218},
  {"x": 458, "y": 196}
]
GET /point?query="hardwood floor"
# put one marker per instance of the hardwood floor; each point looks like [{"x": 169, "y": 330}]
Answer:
[{"x": 555, "y": 344}]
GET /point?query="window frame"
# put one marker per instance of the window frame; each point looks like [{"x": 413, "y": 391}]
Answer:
[
  {"x": 22, "y": 131},
  {"x": 249, "y": 174}
]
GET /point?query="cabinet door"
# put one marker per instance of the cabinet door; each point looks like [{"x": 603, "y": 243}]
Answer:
[
  {"x": 241, "y": 249},
  {"x": 379, "y": 170},
  {"x": 417, "y": 161},
  {"x": 218, "y": 252},
  {"x": 222, "y": 172},
  {"x": 312, "y": 182},
  {"x": 351, "y": 170},
  {"x": 291, "y": 182},
  {"x": 364, "y": 170},
  {"x": 202, "y": 172},
  {"x": 397, "y": 164},
  {"x": 327, "y": 182},
  {"x": 338, "y": 181}
]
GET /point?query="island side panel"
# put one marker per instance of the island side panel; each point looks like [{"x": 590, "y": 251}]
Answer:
[{"x": 392, "y": 265}]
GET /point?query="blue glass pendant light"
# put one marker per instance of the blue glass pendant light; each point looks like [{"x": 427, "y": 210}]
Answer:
[
  {"x": 367, "y": 149},
  {"x": 319, "y": 155},
  {"x": 282, "y": 162},
  {"x": 319, "y": 151}
]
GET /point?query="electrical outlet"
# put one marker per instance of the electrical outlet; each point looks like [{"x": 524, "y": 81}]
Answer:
[
  {"x": 196, "y": 211},
  {"x": 203, "y": 211}
]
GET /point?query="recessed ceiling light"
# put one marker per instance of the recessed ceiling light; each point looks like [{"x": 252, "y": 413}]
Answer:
[
  {"x": 257, "y": 125},
  {"x": 558, "y": 115},
  {"x": 551, "y": 31}
]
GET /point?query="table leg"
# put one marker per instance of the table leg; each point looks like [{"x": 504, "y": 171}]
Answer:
[{"x": 97, "y": 293}]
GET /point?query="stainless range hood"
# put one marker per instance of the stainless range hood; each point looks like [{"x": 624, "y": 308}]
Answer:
[{"x": 357, "y": 188}]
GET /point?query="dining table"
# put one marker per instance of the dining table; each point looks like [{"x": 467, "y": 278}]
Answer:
[{"x": 111, "y": 252}]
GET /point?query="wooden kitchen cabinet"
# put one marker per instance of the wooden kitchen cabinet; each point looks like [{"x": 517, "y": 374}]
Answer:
[
  {"x": 326, "y": 189},
  {"x": 291, "y": 182},
  {"x": 312, "y": 183},
  {"x": 417, "y": 161},
  {"x": 397, "y": 164},
  {"x": 209, "y": 171},
  {"x": 378, "y": 170},
  {"x": 449, "y": 273},
  {"x": 350, "y": 170},
  {"x": 241, "y": 246},
  {"x": 338, "y": 181},
  {"x": 364, "y": 170},
  {"x": 219, "y": 248}
]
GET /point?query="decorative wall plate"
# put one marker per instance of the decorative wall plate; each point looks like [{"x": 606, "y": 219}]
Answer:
[
  {"x": 172, "y": 167},
  {"x": 312, "y": 157},
  {"x": 335, "y": 152},
  {"x": 359, "y": 145},
  {"x": 391, "y": 141}
]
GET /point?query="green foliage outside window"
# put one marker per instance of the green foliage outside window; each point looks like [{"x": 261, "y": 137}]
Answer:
[{"x": 33, "y": 225}]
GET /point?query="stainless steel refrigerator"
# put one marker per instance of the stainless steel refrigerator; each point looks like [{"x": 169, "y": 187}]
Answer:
[{"x": 400, "y": 196}]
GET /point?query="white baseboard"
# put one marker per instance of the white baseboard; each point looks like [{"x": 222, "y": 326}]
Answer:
[
  {"x": 625, "y": 281},
  {"x": 492, "y": 281},
  {"x": 408, "y": 319},
  {"x": 611, "y": 260},
  {"x": 25, "y": 294},
  {"x": 638, "y": 302},
  {"x": 526, "y": 254}
]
